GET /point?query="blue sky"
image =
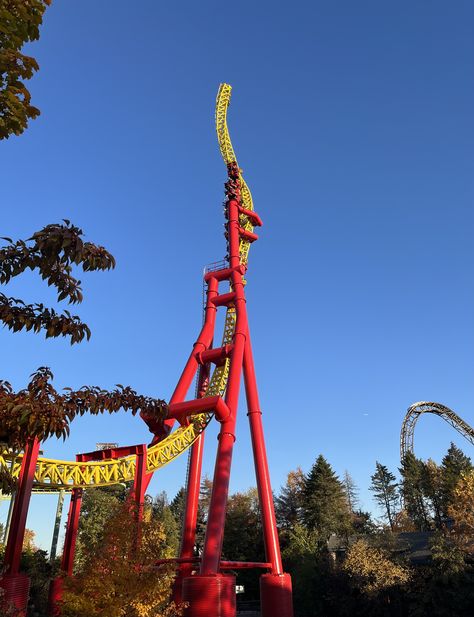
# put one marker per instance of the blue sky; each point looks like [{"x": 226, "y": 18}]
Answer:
[{"x": 353, "y": 124}]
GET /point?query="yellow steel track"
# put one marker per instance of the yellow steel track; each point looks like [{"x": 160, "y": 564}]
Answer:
[{"x": 53, "y": 475}]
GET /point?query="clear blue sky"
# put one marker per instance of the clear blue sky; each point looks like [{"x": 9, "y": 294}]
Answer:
[{"x": 353, "y": 122}]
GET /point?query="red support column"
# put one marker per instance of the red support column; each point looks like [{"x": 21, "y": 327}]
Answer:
[
  {"x": 188, "y": 534},
  {"x": 220, "y": 488},
  {"x": 69, "y": 549},
  {"x": 15, "y": 584},
  {"x": 140, "y": 483},
  {"x": 265, "y": 495},
  {"x": 276, "y": 597},
  {"x": 72, "y": 527}
]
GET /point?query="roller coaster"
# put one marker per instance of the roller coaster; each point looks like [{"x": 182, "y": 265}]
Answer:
[
  {"x": 202, "y": 581},
  {"x": 413, "y": 414}
]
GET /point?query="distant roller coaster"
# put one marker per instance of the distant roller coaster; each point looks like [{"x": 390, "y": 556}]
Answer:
[{"x": 416, "y": 410}]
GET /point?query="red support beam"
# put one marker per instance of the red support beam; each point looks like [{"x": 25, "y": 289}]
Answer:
[
  {"x": 140, "y": 483},
  {"x": 220, "y": 488},
  {"x": 265, "y": 495},
  {"x": 20, "y": 509},
  {"x": 15, "y": 584},
  {"x": 72, "y": 527}
]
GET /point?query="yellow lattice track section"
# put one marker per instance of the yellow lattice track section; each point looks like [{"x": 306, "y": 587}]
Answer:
[{"x": 52, "y": 475}]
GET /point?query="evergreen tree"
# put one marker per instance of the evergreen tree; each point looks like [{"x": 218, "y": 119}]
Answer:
[
  {"x": 385, "y": 491},
  {"x": 412, "y": 492},
  {"x": 453, "y": 465},
  {"x": 98, "y": 504},
  {"x": 324, "y": 502},
  {"x": 289, "y": 504},
  {"x": 243, "y": 537},
  {"x": 161, "y": 513},
  {"x": 203, "y": 510},
  {"x": 433, "y": 490},
  {"x": 351, "y": 491},
  {"x": 178, "y": 506},
  {"x": 362, "y": 523}
]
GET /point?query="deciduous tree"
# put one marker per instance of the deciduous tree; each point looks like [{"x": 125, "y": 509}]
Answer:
[
  {"x": 21, "y": 20},
  {"x": 119, "y": 579},
  {"x": 371, "y": 570},
  {"x": 52, "y": 252}
]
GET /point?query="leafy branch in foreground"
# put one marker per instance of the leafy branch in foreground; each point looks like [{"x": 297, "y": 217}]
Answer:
[
  {"x": 40, "y": 411},
  {"x": 52, "y": 251},
  {"x": 20, "y": 22}
]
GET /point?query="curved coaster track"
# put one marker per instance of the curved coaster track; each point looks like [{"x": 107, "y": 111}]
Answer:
[{"x": 407, "y": 434}]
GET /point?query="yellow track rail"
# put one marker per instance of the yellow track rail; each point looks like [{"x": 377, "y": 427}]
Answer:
[{"x": 54, "y": 474}]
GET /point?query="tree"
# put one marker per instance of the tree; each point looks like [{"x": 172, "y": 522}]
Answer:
[
  {"x": 52, "y": 252},
  {"x": 20, "y": 24},
  {"x": 432, "y": 484},
  {"x": 412, "y": 471},
  {"x": 178, "y": 506},
  {"x": 40, "y": 411},
  {"x": 351, "y": 491},
  {"x": 29, "y": 541},
  {"x": 324, "y": 503},
  {"x": 461, "y": 511},
  {"x": 205, "y": 493},
  {"x": 453, "y": 465},
  {"x": 385, "y": 491},
  {"x": 243, "y": 537},
  {"x": 120, "y": 579},
  {"x": 162, "y": 512},
  {"x": 371, "y": 570},
  {"x": 98, "y": 504},
  {"x": 362, "y": 523},
  {"x": 289, "y": 504}
]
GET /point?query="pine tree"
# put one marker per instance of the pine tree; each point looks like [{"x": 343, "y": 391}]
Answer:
[
  {"x": 351, "y": 491},
  {"x": 385, "y": 491},
  {"x": 412, "y": 493},
  {"x": 289, "y": 504},
  {"x": 433, "y": 489},
  {"x": 453, "y": 465},
  {"x": 324, "y": 503},
  {"x": 203, "y": 510},
  {"x": 178, "y": 506}
]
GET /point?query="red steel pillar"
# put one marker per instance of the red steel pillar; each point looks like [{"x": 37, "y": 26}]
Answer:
[
  {"x": 220, "y": 488},
  {"x": 72, "y": 527},
  {"x": 15, "y": 584},
  {"x": 188, "y": 538},
  {"x": 275, "y": 589},
  {"x": 210, "y": 593},
  {"x": 67, "y": 560},
  {"x": 140, "y": 482},
  {"x": 140, "y": 485}
]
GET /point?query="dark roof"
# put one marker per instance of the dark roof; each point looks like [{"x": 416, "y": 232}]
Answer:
[{"x": 414, "y": 544}]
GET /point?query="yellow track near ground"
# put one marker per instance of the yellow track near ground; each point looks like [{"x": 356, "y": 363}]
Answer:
[{"x": 52, "y": 475}]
